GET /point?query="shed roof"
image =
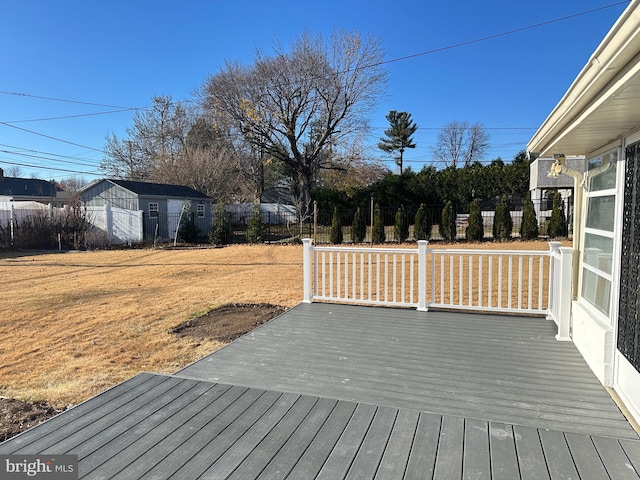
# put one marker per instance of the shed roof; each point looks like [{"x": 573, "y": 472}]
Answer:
[{"x": 155, "y": 189}]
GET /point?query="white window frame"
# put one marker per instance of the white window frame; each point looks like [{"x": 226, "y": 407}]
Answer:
[
  {"x": 154, "y": 212},
  {"x": 607, "y": 318},
  {"x": 200, "y": 210}
]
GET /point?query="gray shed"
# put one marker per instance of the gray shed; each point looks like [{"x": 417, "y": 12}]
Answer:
[{"x": 161, "y": 204}]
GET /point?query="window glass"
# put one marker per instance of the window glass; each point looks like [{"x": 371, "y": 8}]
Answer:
[
  {"x": 596, "y": 290},
  {"x": 153, "y": 209},
  {"x": 598, "y": 252},
  {"x": 601, "y": 212},
  {"x": 200, "y": 208},
  {"x": 602, "y": 172}
]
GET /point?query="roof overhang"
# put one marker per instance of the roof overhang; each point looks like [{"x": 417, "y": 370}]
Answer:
[{"x": 603, "y": 103}]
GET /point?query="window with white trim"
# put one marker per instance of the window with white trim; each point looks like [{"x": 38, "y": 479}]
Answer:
[
  {"x": 599, "y": 231},
  {"x": 200, "y": 210},
  {"x": 153, "y": 210}
]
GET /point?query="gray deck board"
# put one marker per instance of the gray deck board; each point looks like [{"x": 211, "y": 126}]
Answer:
[
  {"x": 355, "y": 392},
  {"x": 487, "y": 367}
]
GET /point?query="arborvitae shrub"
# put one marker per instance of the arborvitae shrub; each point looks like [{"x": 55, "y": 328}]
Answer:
[
  {"x": 502, "y": 221},
  {"x": 475, "y": 229},
  {"x": 255, "y": 227},
  {"x": 448, "y": 223},
  {"x": 220, "y": 233},
  {"x": 422, "y": 225},
  {"x": 378, "y": 226},
  {"x": 401, "y": 226},
  {"x": 529, "y": 228},
  {"x": 359, "y": 227},
  {"x": 558, "y": 221},
  {"x": 188, "y": 231},
  {"x": 336, "y": 228}
]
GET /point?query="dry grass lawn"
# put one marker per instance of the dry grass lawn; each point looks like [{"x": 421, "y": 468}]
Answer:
[{"x": 73, "y": 324}]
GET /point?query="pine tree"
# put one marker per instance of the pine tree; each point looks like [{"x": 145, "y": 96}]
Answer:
[
  {"x": 359, "y": 227},
  {"x": 398, "y": 135},
  {"x": 378, "y": 226},
  {"x": 255, "y": 227},
  {"x": 558, "y": 220},
  {"x": 529, "y": 228},
  {"x": 502, "y": 221},
  {"x": 220, "y": 233},
  {"x": 448, "y": 229},
  {"x": 401, "y": 226},
  {"x": 422, "y": 226},
  {"x": 336, "y": 228},
  {"x": 475, "y": 229}
]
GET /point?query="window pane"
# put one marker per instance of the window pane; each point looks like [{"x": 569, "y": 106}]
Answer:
[
  {"x": 598, "y": 252},
  {"x": 602, "y": 172},
  {"x": 596, "y": 290},
  {"x": 600, "y": 212}
]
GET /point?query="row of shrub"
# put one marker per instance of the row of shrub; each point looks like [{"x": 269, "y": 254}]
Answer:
[{"x": 502, "y": 227}]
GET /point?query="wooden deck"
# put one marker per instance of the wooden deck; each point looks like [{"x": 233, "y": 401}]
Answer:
[{"x": 333, "y": 392}]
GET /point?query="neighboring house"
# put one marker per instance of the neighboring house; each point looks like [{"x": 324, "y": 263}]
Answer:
[
  {"x": 161, "y": 204},
  {"x": 29, "y": 190},
  {"x": 599, "y": 117},
  {"x": 543, "y": 187}
]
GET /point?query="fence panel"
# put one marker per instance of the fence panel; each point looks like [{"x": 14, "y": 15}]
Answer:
[
  {"x": 366, "y": 276},
  {"x": 532, "y": 282}
]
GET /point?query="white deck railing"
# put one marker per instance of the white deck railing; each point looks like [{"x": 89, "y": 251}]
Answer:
[{"x": 510, "y": 281}]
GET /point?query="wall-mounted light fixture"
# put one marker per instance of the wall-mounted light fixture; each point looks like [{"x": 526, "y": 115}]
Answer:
[{"x": 560, "y": 166}]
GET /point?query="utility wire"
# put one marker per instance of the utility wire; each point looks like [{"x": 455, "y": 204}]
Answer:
[{"x": 52, "y": 138}]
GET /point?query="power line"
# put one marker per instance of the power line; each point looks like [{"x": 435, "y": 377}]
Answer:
[
  {"x": 7, "y": 162},
  {"x": 502, "y": 34},
  {"x": 52, "y": 138}
]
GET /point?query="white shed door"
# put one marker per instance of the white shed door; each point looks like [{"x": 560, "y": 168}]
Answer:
[{"x": 174, "y": 208}]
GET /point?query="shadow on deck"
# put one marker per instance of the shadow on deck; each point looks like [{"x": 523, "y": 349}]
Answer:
[{"x": 335, "y": 391}]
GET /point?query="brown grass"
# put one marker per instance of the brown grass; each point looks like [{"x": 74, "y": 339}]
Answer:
[{"x": 73, "y": 324}]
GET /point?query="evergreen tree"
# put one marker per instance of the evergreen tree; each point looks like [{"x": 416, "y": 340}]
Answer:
[
  {"x": 336, "y": 228},
  {"x": 502, "y": 221},
  {"x": 475, "y": 229},
  {"x": 422, "y": 226},
  {"x": 220, "y": 233},
  {"x": 378, "y": 226},
  {"x": 255, "y": 227},
  {"x": 448, "y": 229},
  {"x": 558, "y": 220},
  {"x": 359, "y": 227},
  {"x": 529, "y": 228},
  {"x": 188, "y": 231},
  {"x": 398, "y": 135},
  {"x": 401, "y": 227}
]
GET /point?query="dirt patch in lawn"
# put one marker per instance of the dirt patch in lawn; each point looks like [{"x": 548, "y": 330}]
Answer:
[
  {"x": 18, "y": 415},
  {"x": 228, "y": 322},
  {"x": 223, "y": 324}
]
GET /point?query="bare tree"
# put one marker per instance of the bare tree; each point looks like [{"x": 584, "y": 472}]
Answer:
[
  {"x": 158, "y": 135},
  {"x": 460, "y": 144},
  {"x": 293, "y": 105},
  {"x": 13, "y": 171}
]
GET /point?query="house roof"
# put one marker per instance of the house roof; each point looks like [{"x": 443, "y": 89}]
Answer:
[
  {"x": 27, "y": 187},
  {"x": 603, "y": 103},
  {"x": 150, "y": 189}
]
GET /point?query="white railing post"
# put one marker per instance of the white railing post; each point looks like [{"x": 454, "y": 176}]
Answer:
[
  {"x": 422, "y": 276},
  {"x": 564, "y": 296},
  {"x": 554, "y": 249},
  {"x": 307, "y": 271}
]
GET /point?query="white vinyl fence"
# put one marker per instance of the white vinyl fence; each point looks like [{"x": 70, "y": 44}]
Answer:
[
  {"x": 114, "y": 225},
  {"x": 508, "y": 281}
]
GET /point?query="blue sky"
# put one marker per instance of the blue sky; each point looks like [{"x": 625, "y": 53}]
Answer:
[{"x": 120, "y": 53}]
